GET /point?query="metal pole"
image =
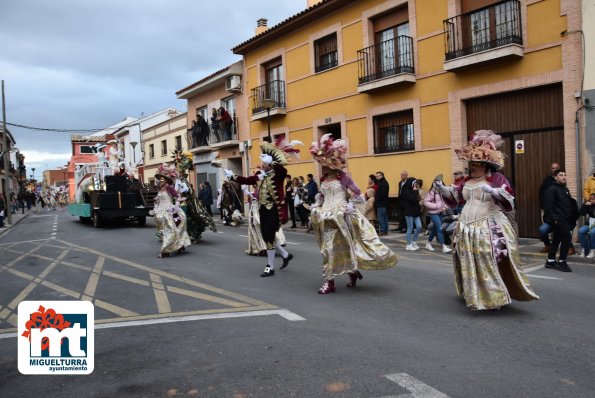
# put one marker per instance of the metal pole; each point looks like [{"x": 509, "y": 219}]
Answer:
[
  {"x": 269, "y": 124},
  {"x": 6, "y": 160}
]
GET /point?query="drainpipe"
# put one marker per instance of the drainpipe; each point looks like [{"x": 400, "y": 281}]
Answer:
[{"x": 579, "y": 180}]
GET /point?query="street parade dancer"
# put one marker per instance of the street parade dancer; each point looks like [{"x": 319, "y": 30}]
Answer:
[
  {"x": 198, "y": 218},
  {"x": 271, "y": 196},
  {"x": 169, "y": 217},
  {"x": 256, "y": 245},
  {"x": 486, "y": 259},
  {"x": 348, "y": 242}
]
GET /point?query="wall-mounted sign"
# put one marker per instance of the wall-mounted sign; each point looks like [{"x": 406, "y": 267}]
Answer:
[
  {"x": 519, "y": 146},
  {"x": 327, "y": 120}
]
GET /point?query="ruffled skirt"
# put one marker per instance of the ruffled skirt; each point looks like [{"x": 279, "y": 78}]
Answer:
[
  {"x": 349, "y": 242},
  {"x": 487, "y": 265}
]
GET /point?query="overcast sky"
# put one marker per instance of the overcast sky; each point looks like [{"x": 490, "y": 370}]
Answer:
[{"x": 84, "y": 64}]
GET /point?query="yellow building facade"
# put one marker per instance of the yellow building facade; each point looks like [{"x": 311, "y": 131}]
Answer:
[{"x": 406, "y": 82}]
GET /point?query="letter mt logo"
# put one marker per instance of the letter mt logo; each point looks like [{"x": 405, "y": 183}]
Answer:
[{"x": 56, "y": 337}]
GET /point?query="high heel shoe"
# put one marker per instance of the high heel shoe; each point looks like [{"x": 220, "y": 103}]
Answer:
[
  {"x": 327, "y": 287},
  {"x": 181, "y": 249},
  {"x": 353, "y": 277},
  {"x": 161, "y": 255}
]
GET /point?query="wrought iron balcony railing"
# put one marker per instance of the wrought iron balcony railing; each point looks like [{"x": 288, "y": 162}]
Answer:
[
  {"x": 274, "y": 90},
  {"x": 214, "y": 136},
  {"x": 484, "y": 29},
  {"x": 389, "y": 58}
]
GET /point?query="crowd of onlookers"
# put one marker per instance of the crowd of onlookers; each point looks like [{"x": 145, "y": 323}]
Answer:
[
  {"x": 46, "y": 199},
  {"x": 221, "y": 123},
  {"x": 421, "y": 211}
]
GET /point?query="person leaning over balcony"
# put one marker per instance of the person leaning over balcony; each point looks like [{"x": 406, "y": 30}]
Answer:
[
  {"x": 215, "y": 124},
  {"x": 202, "y": 131},
  {"x": 225, "y": 123},
  {"x": 488, "y": 273}
]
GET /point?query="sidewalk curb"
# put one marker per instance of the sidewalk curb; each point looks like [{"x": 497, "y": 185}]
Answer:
[{"x": 8, "y": 228}]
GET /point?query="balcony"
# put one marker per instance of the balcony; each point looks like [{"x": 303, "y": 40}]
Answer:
[
  {"x": 483, "y": 36},
  {"x": 274, "y": 90},
  {"x": 386, "y": 64},
  {"x": 215, "y": 139}
]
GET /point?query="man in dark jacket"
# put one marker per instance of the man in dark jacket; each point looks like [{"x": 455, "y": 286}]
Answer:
[
  {"x": 560, "y": 213},
  {"x": 545, "y": 229},
  {"x": 312, "y": 188},
  {"x": 205, "y": 195},
  {"x": 381, "y": 203}
]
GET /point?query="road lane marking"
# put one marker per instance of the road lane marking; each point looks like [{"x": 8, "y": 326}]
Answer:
[
  {"x": 545, "y": 277},
  {"x": 93, "y": 279},
  {"x": 163, "y": 305},
  {"x": 290, "y": 316},
  {"x": 416, "y": 387},
  {"x": 160, "y": 282}
]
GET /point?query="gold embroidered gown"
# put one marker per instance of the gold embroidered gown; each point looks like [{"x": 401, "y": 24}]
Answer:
[
  {"x": 347, "y": 241},
  {"x": 173, "y": 236},
  {"x": 486, "y": 253},
  {"x": 256, "y": 243}
]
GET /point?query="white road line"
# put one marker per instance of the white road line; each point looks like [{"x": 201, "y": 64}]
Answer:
[
  {"x": 290, "y": 316},
  {"x": 545, "y": 277},
  {"x": 533, "y": 268},
  {"x": 416, "y": 387}
]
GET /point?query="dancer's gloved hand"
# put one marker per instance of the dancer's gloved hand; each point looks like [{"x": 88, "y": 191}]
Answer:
[
  {"x": 349, "y": 208},
  {"x": 228, "y": 173},
  {"x": 489, "y": 189}
]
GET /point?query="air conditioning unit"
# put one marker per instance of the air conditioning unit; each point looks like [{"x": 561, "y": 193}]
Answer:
[{"x": 233, "y": 84}]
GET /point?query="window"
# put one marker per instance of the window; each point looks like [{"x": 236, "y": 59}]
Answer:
[
  {"x": 151, "y": 151},
  {"x": 394, "y": 132},
  {"x": 163, "y": 148},
  {"x": 204, "y": 111},
  {"x": 325, "y": 53},
  {"x": 87, "y": 149},
  {"x": 178, "y": 142},
  {"x": 274, "y": 82}
]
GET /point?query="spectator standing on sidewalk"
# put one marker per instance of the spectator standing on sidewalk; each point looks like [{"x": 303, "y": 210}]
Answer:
[
  {"x": 3, "y": 210},
  {"x": 435, "y": 206},
  {"x": 560, "y": 212},
  {"x": 545, "y": 229},
  {"x": 586, "y": 233},
  {"x": 381, "y": 203},
  {"x": 411, "y": 211},
  {"x": 589, "y": 186}
]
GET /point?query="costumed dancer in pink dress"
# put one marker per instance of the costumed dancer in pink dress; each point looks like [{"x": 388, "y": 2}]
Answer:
[
  {"x": 348, "y": 242},
  {"x": 488, "y": 273}
]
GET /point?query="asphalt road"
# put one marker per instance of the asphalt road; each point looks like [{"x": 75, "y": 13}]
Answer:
[{"x": 206, "y": 324}]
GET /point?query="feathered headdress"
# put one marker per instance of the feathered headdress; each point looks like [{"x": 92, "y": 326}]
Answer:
[
  {"x": 167, "y": 171},
  {"x": 279, "y": 152},
  {"x": 330, "y": 152},
  {"x": 483, "y": 147}
]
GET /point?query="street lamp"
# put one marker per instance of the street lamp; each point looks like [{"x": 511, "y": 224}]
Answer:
[
  {"x": 268, "y": 103},
  {"x": 33, "y": 175},
  {"x": 133, "y": 145}
]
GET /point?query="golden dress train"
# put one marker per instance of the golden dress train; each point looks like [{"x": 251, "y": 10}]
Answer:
[{"x": 347, "y": 240}]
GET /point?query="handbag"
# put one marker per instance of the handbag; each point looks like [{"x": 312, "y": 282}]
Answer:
[{"x": 297, "y": 200}]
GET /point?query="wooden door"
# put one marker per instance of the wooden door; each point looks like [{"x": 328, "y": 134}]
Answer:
[{"x": 527, "y": 170}]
